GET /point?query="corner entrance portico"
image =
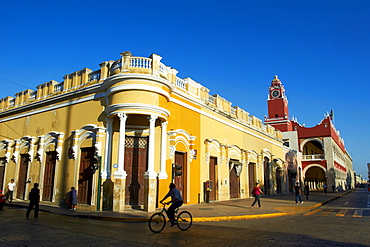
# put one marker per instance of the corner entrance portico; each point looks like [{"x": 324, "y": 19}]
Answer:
[{"x": 131, "y": 144}]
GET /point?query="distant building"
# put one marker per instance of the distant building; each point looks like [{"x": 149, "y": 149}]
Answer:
[{"x": 325, "y": 159}]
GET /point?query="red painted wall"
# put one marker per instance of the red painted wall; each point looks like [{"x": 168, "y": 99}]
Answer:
[
  {"x": 323, "y": 129},
  {"x": 321, "y": 162}
]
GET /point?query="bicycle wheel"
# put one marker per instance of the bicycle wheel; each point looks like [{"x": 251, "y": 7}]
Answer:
[
  {"x": 157, "y": 222},
  {"x": 184, "y": 220}
]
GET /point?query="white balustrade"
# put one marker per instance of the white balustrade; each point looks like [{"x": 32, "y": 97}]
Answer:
[
  {"x": 140, "y": 62},
  {"x": 33, "y": 95},
  {"x": 313, "y": 157},
  {"x": 11, "y": 102},
  {"x": 59, "y": 87},
  {"x": 116, "y": 65},
  {"x": 95, "y": 75},
  {"x": 233, "y": 111},
  {"x": 211, "y": 99},
  {"x": 180, "y": 83}
]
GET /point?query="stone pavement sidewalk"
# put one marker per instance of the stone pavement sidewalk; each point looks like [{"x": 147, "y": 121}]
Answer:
[{"x": 235, "y": 209}]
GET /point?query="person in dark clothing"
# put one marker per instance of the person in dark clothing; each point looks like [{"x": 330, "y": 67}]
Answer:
[
  {"x": 298, "y": 193},
  {"x": 176, "y": 200},
  {"x": 73, "y": 198},
  {"x": 325, "y": 186},
  {"x": 2, "y": 200},
  {"x": 306, "y": 190},
  {"x": 34, "y": 197}
]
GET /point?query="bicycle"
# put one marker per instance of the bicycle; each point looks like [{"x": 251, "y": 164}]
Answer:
[{"x": 157, "y": 221}]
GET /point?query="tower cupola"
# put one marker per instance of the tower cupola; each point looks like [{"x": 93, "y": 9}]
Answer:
[{"x": 277, "y": 104}]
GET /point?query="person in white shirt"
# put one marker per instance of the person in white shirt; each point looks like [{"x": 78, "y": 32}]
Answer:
[
  {"x": 176, "y": 201},
  {"x": 11, "y": 187}
]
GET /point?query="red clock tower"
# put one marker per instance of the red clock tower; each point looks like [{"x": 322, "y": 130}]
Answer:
[{"x": 277, "y": 104}]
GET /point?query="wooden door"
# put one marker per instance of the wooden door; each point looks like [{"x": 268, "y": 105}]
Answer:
[
  {"x": 251, "y": 178},
  {"x": 136, "y": 155},
  {"x": 234, "y": 184},
  {"x": 179, "y": 181},
  {"x": 2, "y": 172},
  {"x": 49, "y": 174},
  {"x": 266, "y": 166},
  {"x": 278, "y": 180},
  {"x": 213, "y": 177},
  {"x": 22, "y": 176},
  {"x": 85, "y": 179}
]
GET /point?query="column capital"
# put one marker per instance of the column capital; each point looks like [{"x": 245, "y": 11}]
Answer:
[
  {"x": 152, "y": 118},
  {"x": 122, "y": 116}
]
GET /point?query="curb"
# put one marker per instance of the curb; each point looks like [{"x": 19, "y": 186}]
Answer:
[
  {"x": 239, "y": 217},
  {"x": 329, "y": 200}
]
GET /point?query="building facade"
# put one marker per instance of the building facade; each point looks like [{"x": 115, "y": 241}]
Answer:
[
  {"x": 122, "y": 133},
  {"x": 324, "y": 157}
]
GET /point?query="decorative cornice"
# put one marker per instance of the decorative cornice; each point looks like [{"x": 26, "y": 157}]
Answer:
[
  {"x": 138, "y": 87},
  {"x": 51, "y": 106},
  {"x": 127, "y": 76},
  {"x": 51, "y": 102},
  {"x": 136, "y": 108}
]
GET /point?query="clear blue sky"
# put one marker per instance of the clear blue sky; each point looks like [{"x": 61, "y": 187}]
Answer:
[{"x": 319, "y": 49}]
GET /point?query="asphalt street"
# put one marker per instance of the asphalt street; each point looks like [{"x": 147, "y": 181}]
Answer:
[{"x": 315, "y": 227}]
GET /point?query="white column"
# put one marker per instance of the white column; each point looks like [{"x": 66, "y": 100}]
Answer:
[
  {"x": 150, "y": 173},
  {"x": 108, "y": 151},
  {"x": 120, "y": 172},
  {"x": 163, "y": 173}
]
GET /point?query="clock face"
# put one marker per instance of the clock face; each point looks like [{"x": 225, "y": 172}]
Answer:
[{"x": 275, "y": 93}]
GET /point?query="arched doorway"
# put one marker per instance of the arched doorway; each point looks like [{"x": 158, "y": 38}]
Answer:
[
  {"x": 234, "y": 179},
  {"x": 315, "y": 177},
  {"x": 279, "y": 179},
  {"x": 85, "y": 178}
]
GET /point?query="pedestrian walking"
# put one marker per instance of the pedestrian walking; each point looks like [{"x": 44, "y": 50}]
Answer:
[
  {"x": 325, "y": 186},
  {"x": 2, "y": 200},
  {"x": 34, "y": 197},
  {"x": 9, "y": 193},
  {"x": 306, "y": 190},
  {"x": 298, "y": 193},
  {"x": 73, "y": 198},
  {"x": 256, "y": 192}
]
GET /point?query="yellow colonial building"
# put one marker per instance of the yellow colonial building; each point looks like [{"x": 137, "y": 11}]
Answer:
[{"x": 122, "y": 133}]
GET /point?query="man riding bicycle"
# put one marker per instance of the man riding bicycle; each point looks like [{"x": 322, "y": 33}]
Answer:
[{"x": 176, "y": 201}]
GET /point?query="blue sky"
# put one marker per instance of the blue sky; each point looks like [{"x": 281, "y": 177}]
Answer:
[{"x": 319, "y": 49}]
